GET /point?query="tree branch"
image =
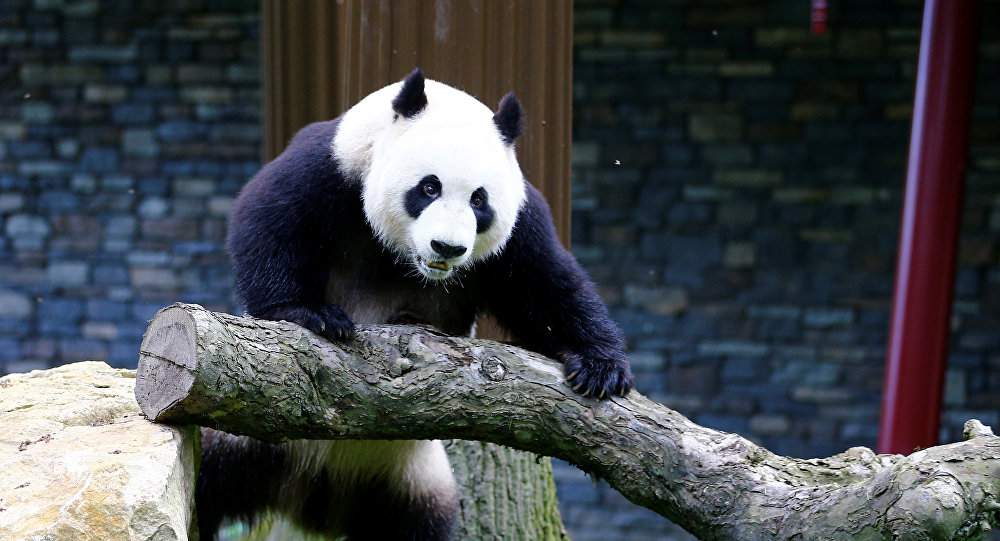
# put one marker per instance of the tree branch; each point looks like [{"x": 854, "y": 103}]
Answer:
[{"x": 277, "y": 381}]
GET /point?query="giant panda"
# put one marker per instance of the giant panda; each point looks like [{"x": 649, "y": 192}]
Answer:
[{"x": 409, "y": 208}]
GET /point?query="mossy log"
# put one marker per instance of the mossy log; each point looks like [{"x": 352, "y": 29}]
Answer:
[{"x": 277, "y": 381}]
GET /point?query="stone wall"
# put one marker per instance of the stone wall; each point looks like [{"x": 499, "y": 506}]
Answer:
[
  {"x": 125, "y": 130},
  {"x": 737, "y": 186}
]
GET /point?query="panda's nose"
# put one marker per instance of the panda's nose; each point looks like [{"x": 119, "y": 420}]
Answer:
[{"x": 446, "y": 250}]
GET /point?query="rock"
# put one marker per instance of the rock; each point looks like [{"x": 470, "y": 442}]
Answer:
[
  {"x": 15, "y": 305},
  {"x": 748, "y": 178},
  {"x": 714, "y": 127},
  {"x": 79, "y": 461},
  {"x": 68, "y": 273},
  {"x": 27, "y": 225},
  {"x": 140, "y": 143},
  {"x": 769, "y": 424},
  {"x": 739, "y": 255},
  {"x": 657, "y": 300}
]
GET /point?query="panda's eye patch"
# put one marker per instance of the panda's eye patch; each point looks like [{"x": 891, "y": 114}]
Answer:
[
  {"x": 478, "y": 199},
  {"x": 431, "y": 186},
  {"x": 480, "y": 203},
  {"x": 421, "y": 195}
]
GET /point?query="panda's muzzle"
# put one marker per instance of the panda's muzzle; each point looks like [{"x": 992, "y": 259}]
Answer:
[
  {"x": 443, "y": 258},
  {"x": 433, "y": 269}
]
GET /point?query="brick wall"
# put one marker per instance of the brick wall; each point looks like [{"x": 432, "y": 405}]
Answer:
[
  {"x": 125, "y": 130},
  {"x": 736, "y": 187}
]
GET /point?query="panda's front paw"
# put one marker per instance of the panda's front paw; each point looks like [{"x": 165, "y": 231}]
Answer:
[
  {"x": 595, "y": 377},
  {"x": 328, "y": 321},
  {"x": 338, "y": 326}
]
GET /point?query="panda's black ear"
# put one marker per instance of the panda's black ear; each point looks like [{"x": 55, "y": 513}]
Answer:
[
  {"x": 508, "y": 118},
  {"x": 411, "y": 98}
]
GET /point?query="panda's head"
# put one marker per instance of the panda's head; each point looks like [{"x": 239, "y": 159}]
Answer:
[{"x": 441, "y": 184}]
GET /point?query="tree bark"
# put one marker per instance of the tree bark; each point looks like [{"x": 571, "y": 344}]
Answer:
[
  {"x": 276, "y": 381},
  {"x": 506, "y": 493}
]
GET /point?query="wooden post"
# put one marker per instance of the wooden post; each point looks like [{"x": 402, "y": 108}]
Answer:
[{"x": 321, "y": 57}]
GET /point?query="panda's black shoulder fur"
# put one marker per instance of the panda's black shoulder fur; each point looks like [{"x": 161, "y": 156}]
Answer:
[{"x": 286, "y": 219}]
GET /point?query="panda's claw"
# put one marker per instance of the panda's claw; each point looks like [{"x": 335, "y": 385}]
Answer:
[
  {"x": 592, "y": 376},
  {"x": 338, "y": 325}
]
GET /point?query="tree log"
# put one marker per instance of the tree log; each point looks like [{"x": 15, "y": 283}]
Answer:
[{"x": 276, "y": 381}]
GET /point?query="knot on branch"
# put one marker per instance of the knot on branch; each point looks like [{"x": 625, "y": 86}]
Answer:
[
  {"x": 494, "y": 369},
  {"x": 400, "y": 366}
]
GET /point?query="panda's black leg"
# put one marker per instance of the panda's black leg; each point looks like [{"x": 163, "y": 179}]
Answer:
[
  {"x": 238, "y": 479},
  {"x": 380, "y": 513}
]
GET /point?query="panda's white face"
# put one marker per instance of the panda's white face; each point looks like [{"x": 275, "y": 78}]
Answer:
[
  {"x": 446, "y": 195},
  {"x": 440, "y": 180}
]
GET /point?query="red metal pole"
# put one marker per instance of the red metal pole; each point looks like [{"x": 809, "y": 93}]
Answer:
[
  {"x": 818, "y": 16},
  {"x": 925, "y": 272}
]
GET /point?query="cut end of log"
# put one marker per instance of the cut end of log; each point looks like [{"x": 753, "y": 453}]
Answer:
[{"x": 167, "y": 360}]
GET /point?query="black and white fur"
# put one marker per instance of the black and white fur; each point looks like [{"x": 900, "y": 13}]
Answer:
[{"x": 410, "y": 207}]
